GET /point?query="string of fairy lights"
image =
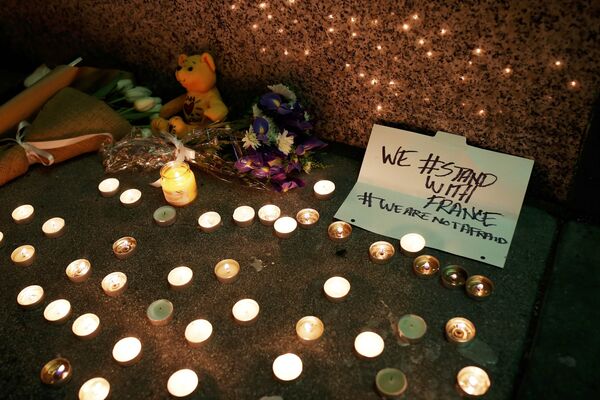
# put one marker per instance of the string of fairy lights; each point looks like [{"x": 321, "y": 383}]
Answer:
[{"x": 337, "y": 25}]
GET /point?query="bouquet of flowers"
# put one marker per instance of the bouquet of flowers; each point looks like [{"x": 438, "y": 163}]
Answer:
[{"x": 278, "y": 144}]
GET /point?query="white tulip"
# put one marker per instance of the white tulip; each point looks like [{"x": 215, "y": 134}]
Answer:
[
  {"x": 146, "y": 132},
  {"x": 124, "y": 84},
  {"x": 137, "y": 92},
  {"x": 144, "y": 104},
  {"x": 36, "y": 75}
]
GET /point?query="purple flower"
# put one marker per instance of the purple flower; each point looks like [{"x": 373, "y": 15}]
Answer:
[
  {"x": 260, "y": 126},
  {"x": 274, "y": 102},
  {"x": 283, "y": 183},
  {"x": 312, "y": 143}
]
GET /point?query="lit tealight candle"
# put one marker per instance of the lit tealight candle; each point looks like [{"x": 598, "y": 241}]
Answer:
[
  {"x": 1, "y": 239},
  {"x": 79, "y": 270},
  {"x": 368, "y": 344},
  {"x": 127, "y": 351},
  {"x": 287, "y": 367},
  {"x": 426, "y": 266},
  {"x": 381, "y": 252},
  {"x": 96, "y": 388},
  {"x": 198, "y": 332},
  {"x": 473, "y": 381},
  {"x": 460, "y": 331},
  {"x": 268, "y": 213},
  {"x": 454, "y": 276},
  {"x": 54, "y": 227},
  {"x": 131, "y": 197},
  {"x": 23, "y": 256},
  {"x": 56, "y": 372},
  {"x": 285, "y": 227},
  {"x": 86, "y": 326},
  {"x": 339, "y": 231},
  {"x": 109, "y": 187},
  {"x": 391, "y": 382},
  {"x": 182, "y": 383},
  {"x": 412, "y": 244},
  {"x": 324, "y": 189},
  {"x": 165, "y": 216},
  {"x": 124, "y": 247},
  {"x": 227, "y": 270},
  {"x": 114, "y": 283},
  {"x": 23, "y": 214},
  {"x": 243, "y": 216},
  {"x": 309, "y": 328},
  {"x": 307, "y": 217},
  {"x": 336, "y": 288},
  {"x": 31, "y": 296},
  {"x": 210, "y": 221},
  {"x": 58, "y": 311},
  {"x": 180, "y": 277},
  {"x": 160, "y": 312},
  {"x": 479, "y": 287},
  {"x": 245, "y": 311},
  {"x": 411, "y": 328}
]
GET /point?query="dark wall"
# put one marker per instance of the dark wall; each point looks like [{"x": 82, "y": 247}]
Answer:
[{"x": 510, "y": 96}]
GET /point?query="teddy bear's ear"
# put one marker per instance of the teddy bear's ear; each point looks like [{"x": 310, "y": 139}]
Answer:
[
  {"x": 207, "y": 58},
  {"x": 181, "y": 59}
]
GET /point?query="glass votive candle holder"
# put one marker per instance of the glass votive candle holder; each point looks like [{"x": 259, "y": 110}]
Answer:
[
  {"x": 473, "y": 381},
  {"x": 198, "y": 332},
  {"x": 479, "y": 287},
  {"x": 56, "y": 372},
  {"x": 124, "y": 247},
  {"x": 79, "y": 270},
  {"x": 86, "y": 326},
  {"x": 58, "y": 312},
  {"x": 339, "y": 231},
  {"x": 309, "y": 328},
  {"x": 454, "y": 276},
  {"x": 178, "y": 183},
  {"x": 109, "y": 187},
  {"x": 268, "y": 214},
  {"x": 23, "y": 214},
  {"x": 114, "y": 284},
  {"x": 460, "y": 331},
  {"x": 96, "y": 388},
  {"x": 381, "y": 252},
  {"x": 227, "y": 270},
  {"x": 54, "y": 227},
  {"x": 210, "y": 221},
  {"x": 287, "y": 367},
  {"x": 23, "y": 256},
  {"x": 245, "y": 311},
  {"x": 285, "y": 227},
  {"x": 307, "y": 217},
  {"x": 426, "y": 266},
  {"x": 243, "y": 216},
  {"x": 180, "y": 278},
  {"x": 31, "y": 297},
  {"x": 324, "y": 189},
  {"x": 412, "y": 244},
  {"x": 131, "y": 198},
  {"x": 127, "y": 351},
  {"x": 160, "y": 312}
]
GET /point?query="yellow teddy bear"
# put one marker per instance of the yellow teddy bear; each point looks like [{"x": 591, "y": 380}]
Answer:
[{"x": 201, "y": 105}]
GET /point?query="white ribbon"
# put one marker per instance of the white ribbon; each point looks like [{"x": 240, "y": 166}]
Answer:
[{"x": 182, "y": 153}]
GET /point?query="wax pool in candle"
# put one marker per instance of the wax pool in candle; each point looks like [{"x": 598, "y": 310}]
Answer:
[
  {"x": 96, "y": 388},
  {"x": 178, "y": 183},
  {"x": 339, "y": 231},
  {"x": 58, "y": 311},
  {"x": 23, "y": 214},
  {"x": 285, "y": 227},
  {"x": 124, "y": 247},
  {"x": 227, "y": 270},
  {"x": 114, "y": 283},
  {"x": 127, "y": 351},
  {"x": 324, "y": 189},
  {"x": 268, "y": 213},
  {"x": 245, "y": 311},
  {"x": 309, "y": 328},
  {"x": 411, "y": 328},
  {"x": 23, "y": 256},
  {"x": 454, "y": 276},
  {"x": 54, "y": 227},
  {"x": 180, "y": 277},
  {"x": 390, "y": 382},
  {"x": 287, "y": 367},
  {"x": 131, "y": 197},
  {"x": 460, "y": 331},
  {"x": 165, "y": 216},
  {"x": 182, "y": 383},
  {"x": 307, "y": 217},
  {"x": 479, "y": 287},
  {"x": 336, "y": 288},
  {"x": 79, "y": 270},
  {"x": 381, "y": 252},
  {"x": 31, "y": 296},
  {"x": 426, "y": 266},
  {"x": 412, "y": 244},
  {"x": 210, "y": 221},
  {"x": 160, "y": 312},
  {"x": 368, "y": 344},
  {"x": 473, "y": 381},
  {"x": 86, "y": 326},
  {"x": 198, "y": 331},
  {"x": 109, "y": 187},
  {"x": 243, "y": 216}
]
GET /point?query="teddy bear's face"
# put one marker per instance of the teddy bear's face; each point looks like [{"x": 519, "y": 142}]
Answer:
[{"x": 196, "y": 73}]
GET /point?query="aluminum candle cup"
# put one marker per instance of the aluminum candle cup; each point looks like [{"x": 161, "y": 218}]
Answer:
[
  {"x": 79, "y": 270},
  {"x": 391, "y": 382},
  {"x": 23, "y": 214},
  {"x": 285, "y": 227},
  {"x": 368, "y": 344},
  {"x": 454, "y": 276},
  {"x": 324, "y": 189},
  {"x": 245, "y": 311},
  {"x": 411, "y": 328},
  {"x": 1, "y": 239},
  {"x": 412, "y": 244},
  {"x": 473, "y": 381},
  {"x": 227, "y": 270},
  {"x": 109, "y": 187},
  {"x": 209, "y": 221},
  {"x": 180, "y": 277},
  {"x": 182, "y": 383},
  {"x": 178, "y": 183},
  {"x": 58, "y": 311},
  {"x": 243, "y": 216},
  {"x": 381, "y": 252},
  {"x": 307, "y": 217},
  {"x": 479, "y": 287},
  {"x": 198, "y": 332},
  {"x": 268, "y": 214},
  {"x": 96, "y": 388},
  {"x": 426, "y": 266},
  {"x": 336, "y": 288},
  {"x": 160, "y": 312},
  {"x": 124, "y": 247},
  {"x": 165, "y": 216},
  {"x": 339, "y": 231},
  {"x": 23, "y": 256},
  {"x": 309, "y": 328},
  {"x": 131, "y": 198},
  {"x": 54, "y": 227},
  {"x": 287, "y": 367},
  {"x": 114, "y": 284},
  {"x": 31, "y": 297},
  {"x": 460, "y": 331},
  {"x": 86, "y": 326},
  {"x": 127, "y": 351},
  {"x": 56, "y": 372}
]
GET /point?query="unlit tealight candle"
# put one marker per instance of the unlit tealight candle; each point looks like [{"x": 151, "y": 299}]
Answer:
[
  {"x": 412, "y": 244},
  {"x": 86, "y": 326},
  {"x": 165, "y": 216},
  {"x": 210, "y": 221},
  {"x": 127, "y": 351},
  {"x": 324, "y": 189},
  {"x": 58, "y": 311},
  {"x": 287, "y": 367},
  {"x": 131, "y": 197},
  {"x": 243, "y": 216},
  {"x": 79, "y": 270},
  {"x": 180, "y": 277},
  {"x": 368, "y": 344},
  {"x": 182, "y": 383},
  {"x": 160, "y": 312},
  {"x": 268, "y": 214},
  {"x": 245, "y": 311},
  {"x": 198, "y": 331},
  {"x": 109, "y": 187},
  {"x": 23, "y": 256},
  {"x": 96, "y": 388},
  {"x": 31, "y": 296},
  {"x": 54, "y": 227},
  {"x": 336, "y": 288},
  {"x": 23, "y": 214},
  {"x": 285, "y": 227}
]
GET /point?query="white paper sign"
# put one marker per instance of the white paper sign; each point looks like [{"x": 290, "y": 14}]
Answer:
[{"x": 463, "y": 200}]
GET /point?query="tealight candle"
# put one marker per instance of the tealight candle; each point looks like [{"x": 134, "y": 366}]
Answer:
[
  {"x": 164, "y": 216},
  {"x": 368, "y": 344},
  {"x": 324, "y": 189},
  {"x": 127, "y": 351},
  {"x": 307, "y": 217},
  {"x": 54, "y": 227},
  {"x": 86, "y": 326},
  {"x": 243, "y": 216},
  {"x": 58, "y": 311},
  {"x": 131, "y": 198},
  {"x": 210, "y": 221},
  {"x": 336, "y": 288},
  {"x": 56, "y": 372},
  {"x": 412, "y": 244},
  {"x": 198, "y": 332},
  {"x": 309, "y": 328},
  {"x": 79, "y": 270},
  {"x": 124, "y": 247},
  {"x": 160, "y": 312},
  {"x": 454, "y": 276},
  {"x": 339, "y": 231},
  {"x": 94, "y": 389},
  {"x": 287, "y": 367},
  {"x": 426, "y": 266},
  {"x": 381, "y": 252},
  {"x": 23, "y": 214},
  {"x": 268, "y": 213},
  {"x": 180, "y": 277},
  {"x": 114, "y": 283},
  {"x": 245, "y": 311},
  {"x": 1, "y": 239},
  {"x": 109, "y": 187},
  {"x": 178, "y": 183},
  {"x": 31, "y": 296},
  {"x": 479, "y": 287},
  {"x": 391, "y": 382},
  {"x": 23, "y": 256},
  {"x": 285, "y": 227},
  {"x": 460, "y": 331},
  {"x": 411, "y": 328},
  {"x": 182, "y": 383},
  {"x": 473, "y": 381},
  {"x": 227, "y": 270}
]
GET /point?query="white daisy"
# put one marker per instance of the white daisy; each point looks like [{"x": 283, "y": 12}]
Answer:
[
  {"x": 284, "y": 91},
  {"x": 285, "y": 142},
  {"x": 250, "y": 140}
]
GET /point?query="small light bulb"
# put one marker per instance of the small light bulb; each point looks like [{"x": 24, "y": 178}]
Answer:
[
  {"x": 347, "y": 65},
  {"x": 233, "y": 6},
  {"x": 295, "y": 21},
  {"x": 558, "y": 63},
  {"x": 263, "y": 49},
  {"x": 573, "y": 84},
  {"x": 330, "y": 16},
  {"x": 306, "y": 52},
  {"x": 353, "y": 34},
  {"x": 331, "y": 30},
  {"x": 478, "y": 50},
  {"x": 379, "y": 107},
  {"x": 405, "y": 27},
  {"x": 429, "y": 53},
  {"x": 395, "y": 58},
  {"x": 470, "y": 62},
  {"x": 507, "y": 70},
  {"x": 415, "y": 16},
  {"x": 375, "y": 22},
  {"x": 269, "y": 17},
  {"x": 254, "y": 26},
  {"x": 426, "y": 100},
  {"x": 421, "y": 42},
  {"x": 392, "y": 83},
  {"x": 462, "y": 77},
  {"x": 362, "y": 75},
  {"x": 379, "y": 47},
  {"x": 481, "y": 112},
  {"x": 443, "y": 31},
  {"x": 353, "y": 19},
  {"x": 285, "y": 52},
  {"x": 262, "y": 5},
  {"x": 280, "y": 30},
  {"x": 373, "y": 81}
]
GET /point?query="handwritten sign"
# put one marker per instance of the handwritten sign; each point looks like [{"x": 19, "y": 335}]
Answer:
[{"x": 462, "y": 199}]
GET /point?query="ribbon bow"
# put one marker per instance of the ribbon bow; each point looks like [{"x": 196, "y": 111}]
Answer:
[{"x": 182, "y": 153}]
